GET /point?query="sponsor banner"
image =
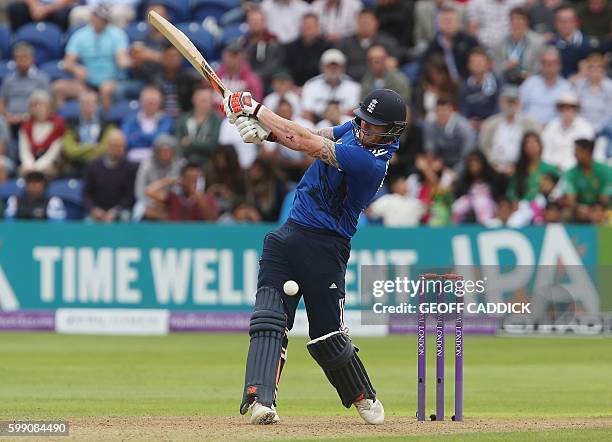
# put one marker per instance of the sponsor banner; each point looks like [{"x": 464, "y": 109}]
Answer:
[
  {"x": 209, "y": 322},
  {"x": 111, "y": 321},
  {"x": 213, "y": 268},
  {"x": 26, "y": 320}
]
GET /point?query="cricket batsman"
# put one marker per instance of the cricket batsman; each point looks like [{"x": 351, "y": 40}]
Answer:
[{"x": 312, "y": 248}]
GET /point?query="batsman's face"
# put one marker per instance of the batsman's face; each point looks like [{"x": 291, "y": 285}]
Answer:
[{"x": 369, "y": 135}]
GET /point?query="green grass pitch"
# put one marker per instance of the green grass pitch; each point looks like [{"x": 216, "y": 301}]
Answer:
[{"x": 44, "y": 376}]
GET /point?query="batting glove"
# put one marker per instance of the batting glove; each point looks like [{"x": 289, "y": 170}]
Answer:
[
  {"x": 251, "y": 130},
  {"x": 240, "y": 103}
]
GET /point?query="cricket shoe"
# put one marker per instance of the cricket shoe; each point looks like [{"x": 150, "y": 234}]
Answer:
[
  {"x": 371, "y": 411},
  {"x": 262, "y": 415}
]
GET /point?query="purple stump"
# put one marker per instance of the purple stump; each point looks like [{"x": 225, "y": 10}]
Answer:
[
  {"x": 421, "y": 352},
  {"x": 440, "y": 360},
  {"x": 459, "y": 361}
]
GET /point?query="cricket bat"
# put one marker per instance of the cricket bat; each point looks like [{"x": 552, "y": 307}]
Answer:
[{"x": 189, "y": 51}]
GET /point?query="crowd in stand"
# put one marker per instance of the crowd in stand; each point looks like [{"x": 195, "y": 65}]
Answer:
[{"x": 510, "y": 115}]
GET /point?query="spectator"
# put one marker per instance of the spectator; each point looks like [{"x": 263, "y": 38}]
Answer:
[
  {"x": 236, "y": 73},
  {"x": 533, "y": 211},
  {"x": 587, "y": 183},
  {"x": 501, "y": 134},
  {"x": 34, "y": 204},
  {"x": 560, "y": 134},
  {"x": 177, "y": 85},
  {"x": 18, "y": 86},
  {"x": 163, "y": 164},
  {"x": 293, "y": 163},
  {"x": 397, "y": 208},
  {"x": 338, "y": 18},
  {"x": 489, "y": 21},
  {"x": 451, "y": 43},
  {"x": 396, "y": 18},
  {"x": 183, "y": 199},
  {"x": 26, "y": 11},
  {"x": 595, "y": 17},
  {"x": 477, "y": 190},
  {"x": 431, "y": 185},
  {"x": 516, "y": 57},
  {"x": 263, "y": 51},
  {"x": 435, "y": 82},
  {"x": 198, "y": 131},
  {"x": 224, "y": 177},
  {"x": 265, "y": 190},
  {"x": 411, "y": 145},
  {"x": 121, "y": 12},
  {"x": 378, "y": 75},
  {"x": 302, "y": 55},
  {"x": 479, "y": 93},
  {"x": 86, "y": 138},
  {"x": 40, "y": 136},
  {"x": 97, "y": 56},
  {"x": 146, "y": 55},
  {"x": 283, "y": 17},
  {"x": 572, "y": 44},
  {"x": 539, "y": 93},
  {"x": 332, "y": 116},
  {"x": 355, "y": 47},
  {"x": 542, "y": 17},
  {"x": 6, "y": 164},
  {"x": 108, "y": 183},
  {"x": 595, "y": 92},
  {"x": 247, "y": 152},
  {"x": 283, "y": 89},
  {"x": 426, "y": 14},
  {"x": 241, "y": 213},
  {"x": 530, "y": 168},
  {"x": 144, "y": 126},
  {"x": 332, "y": 85},
  {"x": 450, "y": 135}
]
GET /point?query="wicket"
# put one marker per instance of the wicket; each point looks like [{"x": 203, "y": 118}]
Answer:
[{"x": 440, "y": 343}]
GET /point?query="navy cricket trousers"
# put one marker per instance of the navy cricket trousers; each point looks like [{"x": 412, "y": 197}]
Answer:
[{"x": 316, "y": 259}]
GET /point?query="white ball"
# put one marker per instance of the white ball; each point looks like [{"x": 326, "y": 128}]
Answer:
[{"x": 291, "y": 288}]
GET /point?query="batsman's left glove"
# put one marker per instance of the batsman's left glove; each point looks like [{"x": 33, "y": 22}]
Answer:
[
  {"x": 240, "y": 103},
  {"x": 252, "y": 131}
]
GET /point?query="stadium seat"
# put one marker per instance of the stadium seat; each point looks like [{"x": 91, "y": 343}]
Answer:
[
  {"x": 201, "y": 9},
  {"x": 137, "y": 31},
  {"x": 55, "y": 70},
  {"x": 10, "y": 188},
  {"x": 70, "y": 110},
  {"x": 231, "y": 33},
  {"x": 6, "y": 67},
  {"x": 120, "y": 110},
  {"x": 177, "y": 9},
  {"x": 71, "y": 192},
  {"x": 46, "y": 38},
  {"x": 201, "y": 38},
  {"x": 5, "y": 43}
]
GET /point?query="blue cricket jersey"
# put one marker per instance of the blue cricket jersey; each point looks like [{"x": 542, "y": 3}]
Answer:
[{"x": 332, "y": 199}]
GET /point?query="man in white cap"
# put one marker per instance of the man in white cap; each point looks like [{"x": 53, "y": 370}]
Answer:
[
  {"x": 560, "y": 134},
  {"x": 331, "y": 85}
]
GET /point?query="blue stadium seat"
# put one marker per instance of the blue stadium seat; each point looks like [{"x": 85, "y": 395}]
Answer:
[
  {"x": 137, "y": 31},
  {"x": 46, "y": 38},
  {"x": 70, "y": 110},
  {"x": 231, "y": 33},
  {"x": 5, "y": 43},
  {"x": 201, "y": 9},
  {"x": 201, "y": 38},
  {"x": 55, "y": 70},
  {"x": 178, "y": 10},
  {"x": 71, "y": 192},
  {"x": 120, "y": 110},
  {"x": 6, "y": 67},
  {"x": 11, "y": 187}
]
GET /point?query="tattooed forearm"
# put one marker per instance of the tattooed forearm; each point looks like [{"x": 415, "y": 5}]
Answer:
[
  {"x": 326, "y": 153},
  {"x": 325, "y": 132}
]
